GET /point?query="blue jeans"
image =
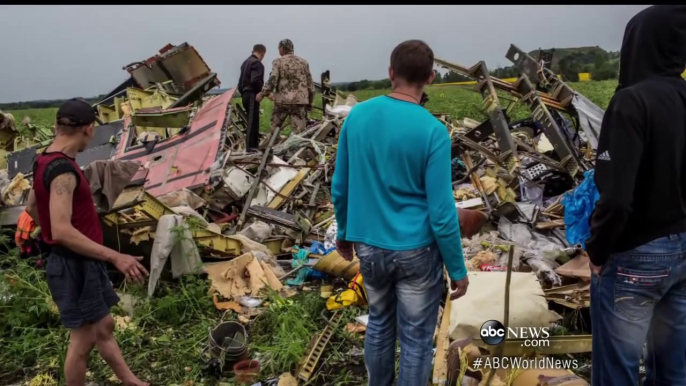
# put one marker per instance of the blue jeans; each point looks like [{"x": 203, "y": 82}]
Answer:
[
  {"x": 641, "y": 295},
  {"x": 404, "y": 289}
]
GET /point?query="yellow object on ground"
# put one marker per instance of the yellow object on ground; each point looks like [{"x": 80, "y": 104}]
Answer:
[
  {"x": 244, "y": 275},
  {"x": 584, "y": 77},
  {"x": 286, "y": 379},
  {"x": 15, "y": 190},
  {"x": 355, "y": 296},
  {"x": 43, "y": 380},
  {"x": 326, "y": 291},
  {"x": 490, "y": 184}
]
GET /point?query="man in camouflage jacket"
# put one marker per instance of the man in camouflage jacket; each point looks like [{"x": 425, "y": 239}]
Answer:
[{"x": 291, "y": 88}]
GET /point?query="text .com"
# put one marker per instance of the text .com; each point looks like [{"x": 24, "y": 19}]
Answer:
[{"x": 493, "y": 332}]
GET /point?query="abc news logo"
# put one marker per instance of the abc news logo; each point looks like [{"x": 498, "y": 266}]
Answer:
[{"x": 493, "y": 332}]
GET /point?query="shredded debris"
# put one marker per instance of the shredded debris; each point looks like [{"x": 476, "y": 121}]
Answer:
[{"x": 171, "y": 176}]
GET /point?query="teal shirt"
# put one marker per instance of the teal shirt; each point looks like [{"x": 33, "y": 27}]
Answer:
[{"x": 392, "y": 185}]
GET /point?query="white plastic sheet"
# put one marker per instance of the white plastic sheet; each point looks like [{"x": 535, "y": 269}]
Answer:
[
  {"x": 590, "y": 118},
  {"x": 179, "y": 244},
  {"x": 485, "y": 301}
]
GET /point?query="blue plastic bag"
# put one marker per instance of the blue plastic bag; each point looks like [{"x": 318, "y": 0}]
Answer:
[
  {"x": 319, "y": 248},
  {"x": 299, "y": 258},
  {"x": 579, "y": 205}
]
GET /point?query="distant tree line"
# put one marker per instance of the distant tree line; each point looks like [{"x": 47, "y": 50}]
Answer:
[
  {"x": 600, "y": 64},
  {"x": 365, "y": 84},
  {"x": 43, "y": 104}
]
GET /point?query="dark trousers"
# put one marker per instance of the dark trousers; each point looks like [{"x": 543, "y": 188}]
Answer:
[{"x": 252, "y": 107}]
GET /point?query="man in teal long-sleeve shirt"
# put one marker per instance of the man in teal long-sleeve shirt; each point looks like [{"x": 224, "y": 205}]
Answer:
[{"x": 392, "y": 194}]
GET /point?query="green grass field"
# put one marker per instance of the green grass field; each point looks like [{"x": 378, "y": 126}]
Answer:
[{"x": 457, "y": 101}]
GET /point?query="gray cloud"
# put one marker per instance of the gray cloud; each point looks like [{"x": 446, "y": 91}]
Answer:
[{"x": 52, "y": 52}]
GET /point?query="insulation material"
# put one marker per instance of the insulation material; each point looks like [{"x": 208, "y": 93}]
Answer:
[
  {"x": 140, "y": 235},
  {"x": 185, "y": 258},
  {"x": 252, "y": 246},
  {"x": 237, "y": 182},
  {"x": 4, "y": 180},
  {"x": 544, "y": 145},
  {"x": 107, "y": 179},
  {"x": 279, "y": 178},
  {"x": 590, "y": 118},
  {"x": 286, "y": 379},
  {"x": 341, "y": 109},
  {"x": 483, "y": 257},
  {"x": 7, "y": 121},
  {"x": 258, "y": 231},
  {"x": 188, "y": 212},
  {"x": 485, "y": 301},
  {"x": 295, "y": 142},
  {"x": 490, "y": 184},
  {"x": 260, "y": 251},
  {"x": 543, "y": 267},
  {"x": 558, "y": 377},
  {"x": 183, "y": 197},
  {"x": 13, "y": 193},
  {"x": 244, "y": 275},
  {"x": 331, "y": 233},
  {"x": 521, "y": 235},
  {"x": 577, "y": 267},
  {"x": 463, "y": 194},
  {"x": 227, "y": 305}
]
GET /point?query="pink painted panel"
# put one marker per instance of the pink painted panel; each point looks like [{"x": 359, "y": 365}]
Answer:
[{"x": 182, "y": 161}]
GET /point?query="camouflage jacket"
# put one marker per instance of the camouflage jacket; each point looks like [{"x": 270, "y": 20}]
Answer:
[{"x": 290, "y": 81}]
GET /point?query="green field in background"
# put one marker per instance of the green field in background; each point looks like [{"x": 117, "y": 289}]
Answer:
[{"x": 459, "y": 102}]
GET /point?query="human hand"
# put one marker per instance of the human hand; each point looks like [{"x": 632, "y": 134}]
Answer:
[
  {"x": 594, "y": 268},
  {"x": 345, "y": 249},
  {"x": 459, "y": 288},
  {"x": 259, "y": 97},
  {"x": 131, "y": 268},
  {"x": 271, "y": 97}
]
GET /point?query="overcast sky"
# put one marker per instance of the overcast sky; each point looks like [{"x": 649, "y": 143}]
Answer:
[{"x": 55, "y": 52}]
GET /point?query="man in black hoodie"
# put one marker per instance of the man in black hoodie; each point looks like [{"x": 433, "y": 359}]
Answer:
[
  {"x": 638, "y": 229},
  {"x": 250, "y": 84}
]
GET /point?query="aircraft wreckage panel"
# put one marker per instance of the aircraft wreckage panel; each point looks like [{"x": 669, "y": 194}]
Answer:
[
  {"x": 100, "y": 148},
  {"x": 181, "y": 64},
  {"x": 182, "y": 161}
]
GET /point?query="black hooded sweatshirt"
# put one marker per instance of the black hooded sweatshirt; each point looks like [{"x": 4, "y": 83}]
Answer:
[{"x": 640, "y": 168}]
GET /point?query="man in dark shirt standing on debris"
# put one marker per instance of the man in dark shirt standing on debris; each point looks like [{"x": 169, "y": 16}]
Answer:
[
  {"x": 61, "y": 204},
  {"x": 638, "y": 229},
  {"x": 291, "y": 88},
  {"x": 250, "y": 84},
  {"x": 393, "y": 197}
]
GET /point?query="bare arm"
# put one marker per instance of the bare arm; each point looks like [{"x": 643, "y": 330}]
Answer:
[
  {"x": 32, "y": 207},
  {"x": 64, "y": 233}
]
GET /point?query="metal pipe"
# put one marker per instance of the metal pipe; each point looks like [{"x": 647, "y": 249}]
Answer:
[
  {"x": 501, "y": 347},
  {"x": 258, "y": 178}
]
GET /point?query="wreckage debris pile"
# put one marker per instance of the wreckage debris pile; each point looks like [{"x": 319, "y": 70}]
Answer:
[{"x": 261, "y": 224}]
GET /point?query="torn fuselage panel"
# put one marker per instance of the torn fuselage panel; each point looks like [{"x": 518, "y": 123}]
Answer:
[
  {"x": 183, "y": 160},
  {"x": 101, "y": 147},
  {"x": 180, "y": 64}
]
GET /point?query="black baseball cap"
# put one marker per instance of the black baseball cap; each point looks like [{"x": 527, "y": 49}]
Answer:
[{"x": 76, "y": 112}]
